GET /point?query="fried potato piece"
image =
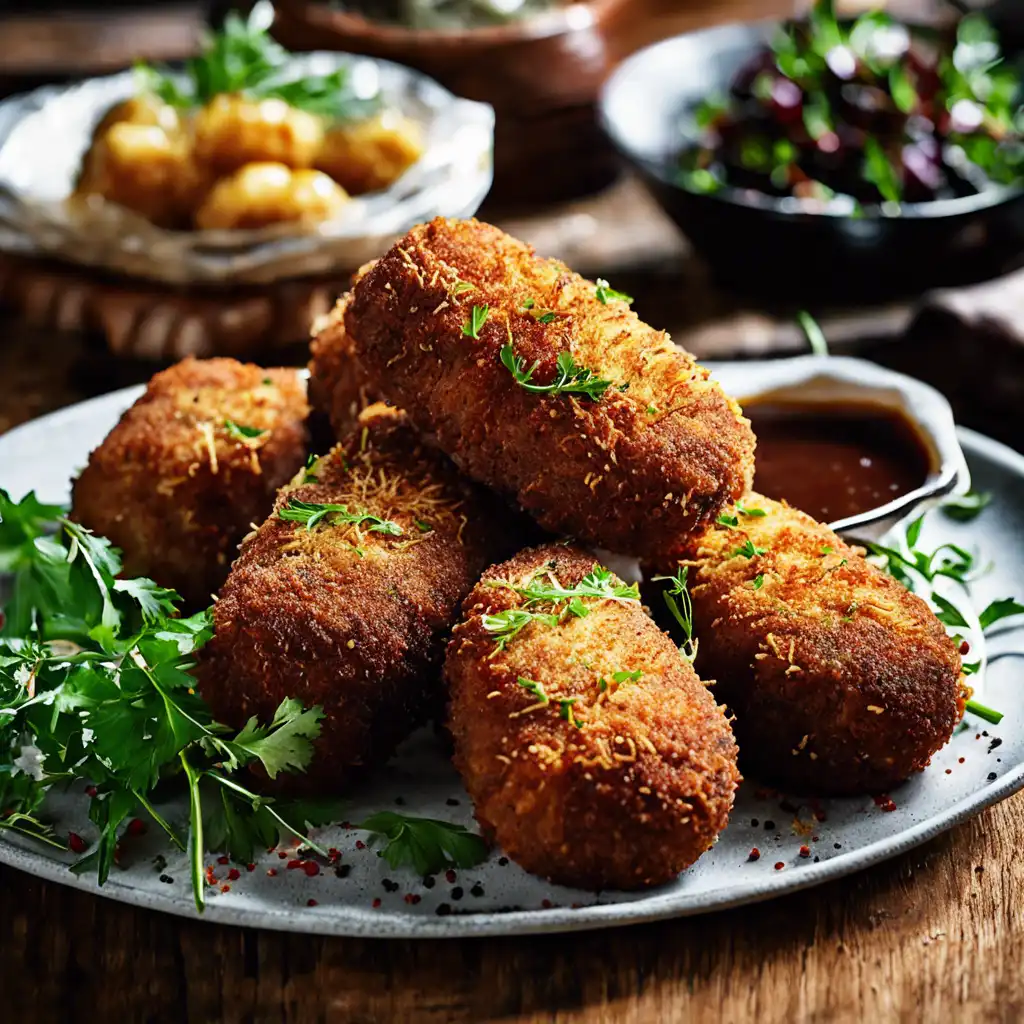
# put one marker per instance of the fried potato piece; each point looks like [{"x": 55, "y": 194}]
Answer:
[
  {"x": 145, "y": 168},
  {"x": 366, "y": 156},
  {"x": 841, "y": 681},
  {"x": 593, "y": 753},
  {"x": 353, "y": 616},
  {"x": 659, "y": 453},
  {"x": 176, "y": 488},
  {"x": 262, "y": 194},
  {"x": 338, "y": 385},
  {"x": 232, "y": 131},
  {"x": 144, "y": 108}
]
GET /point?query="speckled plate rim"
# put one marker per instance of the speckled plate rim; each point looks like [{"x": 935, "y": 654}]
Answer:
[{"x": 352, "y": 921}]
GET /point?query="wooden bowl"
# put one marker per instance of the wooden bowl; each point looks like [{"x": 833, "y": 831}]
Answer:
[{"x": 542, "y": 76}]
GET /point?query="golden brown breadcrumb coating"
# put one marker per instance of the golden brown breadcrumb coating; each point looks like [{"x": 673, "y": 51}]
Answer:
[
  {"x": 841, "y": 680},
  {"x": 338, "y": 386},
  {"x": 176, "y": 488},
  {"x": 661, "y": 451},
  {"x": 613, "y": 768},
  {"x": 346, "y": 616}
]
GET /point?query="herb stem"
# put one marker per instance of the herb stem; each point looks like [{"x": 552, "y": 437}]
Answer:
[
  {"x": 195, "y": 816},
  {"x": 983, "y": 711}
]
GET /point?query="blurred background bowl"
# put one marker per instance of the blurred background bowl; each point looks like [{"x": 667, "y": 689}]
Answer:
[
  {"x": 542, "y": 75},
  {"x": 44, "y": 134},
  {"x": 765, "y": 245}
]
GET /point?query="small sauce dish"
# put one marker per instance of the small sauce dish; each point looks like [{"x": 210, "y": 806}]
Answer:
[{"x": 849, "y": 442}]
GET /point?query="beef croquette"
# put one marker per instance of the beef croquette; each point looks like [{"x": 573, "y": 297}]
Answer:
[
  {"x": 338, "y": 387},
  {"x": 592, "y": 752},
  {"x": 548, "y": 388},
  {"x": 345, "y": 596},
  {"x": 196, "y": 460},
  {"x": 841, "y": 681}
]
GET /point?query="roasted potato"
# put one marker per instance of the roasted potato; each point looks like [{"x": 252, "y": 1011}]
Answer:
[
  {"x": 232, "y": 131},
  {"x": 146, "y": 169},
  {"x": 352, "y": 612},
  {"x": 259, "y": 195},
  {"x": 366, "y": 156},
  {"x": 196, "y": 460},
  {"x": 842, "y": 682},
  {"x": 592, "y": 752},
  {"x": 465, "y": 328}
]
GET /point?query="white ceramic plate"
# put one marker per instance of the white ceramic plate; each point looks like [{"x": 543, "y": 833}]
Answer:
[{"x": 498, "y": 898}]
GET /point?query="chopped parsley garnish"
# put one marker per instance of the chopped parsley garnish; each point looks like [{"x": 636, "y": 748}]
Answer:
[
  {"x": 999, "y": 610},
  {"x": 313, "y": 512},
  {"x": 308, "y": 476},
  {"x": 599, "y": 583},
  {"x": 508, "y": 624},
  {"x": 725, "y": 520},
  {"x": 242, "y": 58},
  {"x": 652, "y": 410},
  {"x": 627, "y": 677},
  {"x": 461, "y": 287},
  {"x": 96, "y": 686},
  {"x": 534, "y": 688},
  {"x": 423, "y": 526},
  {"x": 426, "y": 845},
  {"x": 748, "y": 550},
  {"x": 241, "y": 433},
  {"x": 757, "y": 582},
  {"x": 827, "y": 550},
  {"x": 572, "y": 379},
  {"x": 565, "y": 711},
  {"x": 966, "y": 507},
  {"x": 752, "y": 513},
  {"x": 477, "y": 318},
  {"x": 677, "y": 600},
  {"x": 605, "y": 294}
]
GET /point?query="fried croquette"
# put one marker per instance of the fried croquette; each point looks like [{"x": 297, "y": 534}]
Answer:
[
  {"x": 338, "y": 386},
  {"x": 351, "y": 610},
  {"x": 592, "y": 752},
  {"x": 841, "y": 681},
  {"x": 196, "y": 460},
  {"x": 440, "y": 321}
]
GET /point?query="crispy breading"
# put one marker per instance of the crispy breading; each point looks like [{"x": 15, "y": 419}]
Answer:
[
  {"x": 661, "y": 451},
  {"x": 338, "y": 386},
  {"x": 346, "y": 616},
  {"x": 841, "y": 680},
  {"x": 177, "y": 489},
  {"x": 586, "y": 777}
]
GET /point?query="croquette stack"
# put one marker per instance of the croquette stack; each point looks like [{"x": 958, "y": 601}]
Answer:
[{"x": 593, "y": 752}]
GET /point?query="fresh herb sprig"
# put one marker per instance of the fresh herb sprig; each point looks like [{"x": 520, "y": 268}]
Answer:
[
  {"x": 600, "y": 583},
  {"x": 426, "y": 845},
  {"x": 572, "y": 379},
  {"x": 242, "y": 433},
  {"x": 952, "y": 562},
  {"x": 677, "y": 600},
  {"x": 96, "y": 686},
  {"x": 311, "y": 513},
  {"x": 508, "y": 624},
  {"x": 477, "y": 318},
  {"x": 242, "y": 58},
  {"x": 606, "y": 293}
]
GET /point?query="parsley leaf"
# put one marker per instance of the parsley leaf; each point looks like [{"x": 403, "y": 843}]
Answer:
[
  {"x": 285, "y": 744},
  {"x": 748, "y": 550},
  {"x": 605, "y": 294},
  {"x": 477, "y": 318},
  {"x": 240, "y": 433},
  {"x": 507, "y": 625},
  {"x": 966, "y": 507},
  {"x": 312, "y": 512},
  {"x": 572, "y": 379},
  {"x": 599, "y": 583},
  {"x": 948, "y": 613},
  {"x": 725, "y": 520},
  {"x": 998, "y": 610},
  {"x": 534, "y": 688},
  {"x": 426, "y": 845},
  {"x": 752, "y": 513},
  {"x": 677, "y": 600}
]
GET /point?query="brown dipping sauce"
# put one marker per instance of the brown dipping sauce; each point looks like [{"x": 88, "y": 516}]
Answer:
[{"x": 835, "y": 462}]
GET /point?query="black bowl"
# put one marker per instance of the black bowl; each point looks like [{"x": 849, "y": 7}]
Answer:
[{"x": 784, "y": 247}]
